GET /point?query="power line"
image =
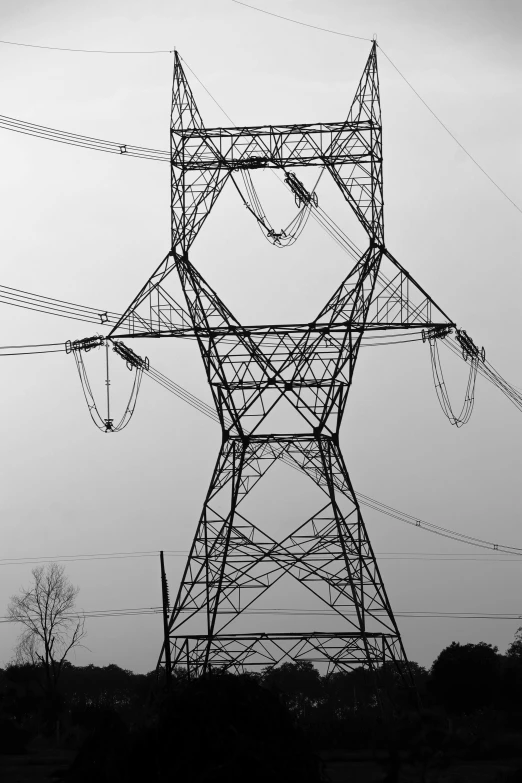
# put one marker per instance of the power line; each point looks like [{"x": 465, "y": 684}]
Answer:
[
  {"x": 366, "y": 500},
  {"x": 288, "y": 612},
  {"x": 383, "y": 508},
  {"x": 346, "y": 35},
  {"x": 26, "y": 300},
  {"x": 337, "y": 234},
  {"x": 84, "y": 51},
  {"x": 116, "y": 148},
  {"x": 462, "y": 147},
  {"x": 208, "y": 91},
  {"x": 33, "y": 353},
  {"x": 58, "y": 307},
  {"x": 65, "y": 137},
  {"x": 37, "y": 303},
  {"x": 386, "y": 610},
  {"x": 31, "y": 350},
  {"x": 81, "y": 558},
  {"x": 457, "y": 557},
  {"x": 78, "y": 140},
  {"x": 303, "y": 24}
]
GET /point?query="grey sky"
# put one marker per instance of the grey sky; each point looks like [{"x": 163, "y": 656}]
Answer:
[{"x": 87, "y": 227}]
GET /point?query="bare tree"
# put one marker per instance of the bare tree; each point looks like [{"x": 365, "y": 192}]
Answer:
[{"x": 52, "y": 627}]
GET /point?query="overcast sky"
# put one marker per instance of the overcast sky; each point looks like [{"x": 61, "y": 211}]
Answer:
[{"x": 90, "y": 228}]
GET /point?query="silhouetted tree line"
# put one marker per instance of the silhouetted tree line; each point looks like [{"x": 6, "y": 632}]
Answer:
[{"x": 266, "y": 725}]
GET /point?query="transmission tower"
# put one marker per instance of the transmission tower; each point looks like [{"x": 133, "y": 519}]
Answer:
[{"x": 253, "y": 369}]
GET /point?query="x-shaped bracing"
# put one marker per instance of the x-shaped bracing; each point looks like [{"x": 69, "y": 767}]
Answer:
[{"x": 233, "y": 562}]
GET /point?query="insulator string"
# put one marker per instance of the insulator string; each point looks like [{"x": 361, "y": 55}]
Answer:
[
  {"x": 304, "y": 200},
  {"x": 106, "y": 424},
  {"x": 442, "y": 392}
]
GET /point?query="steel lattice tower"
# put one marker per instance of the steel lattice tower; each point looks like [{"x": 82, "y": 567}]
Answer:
[{"x": 251, "y": 369}]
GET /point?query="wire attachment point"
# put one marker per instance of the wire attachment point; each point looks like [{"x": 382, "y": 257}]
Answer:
[
  {"x": 129, "y": 357},
  {"x": 436, "y": 333},
  {"x": 302, "y": 196},
  {"x": 469, "y": 349},
  {"x": 106, "y": 423},
  {"x": 86, "y": 344}
]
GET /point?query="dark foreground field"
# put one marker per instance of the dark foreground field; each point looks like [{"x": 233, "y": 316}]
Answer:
[
  {"x": 337, "y": 766},
  {"x": 289, "y": 724}
]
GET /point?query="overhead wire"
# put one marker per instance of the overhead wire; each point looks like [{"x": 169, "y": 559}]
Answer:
[
  {"x": 58, "y": 307},
  {"x": 182, "y": 393},
  {"x": 163, "y": 380},
  {"x": 50, "y": 306},
  {"x": 21, "y": 298},
  {"x": 436, "y": 529},
  {"x": 366, "y": 500},
  {"x": 254, "y": 206},
  {"x": 78, "y": 140},
  {"x": 303, "y": 24},
  {"x": 441, "y": 123},
  {"x": 207, "y": 91},
  {"x": 85, "y": 51},
  {"x": 210, "y": 412},
  {"x": 32, "y": 353},
  {"x": 65, "y": 137},
  {"x": 483, "y": 367},
  {"x": 339, "y": 236},
  {"x": 32, "y": 349},
  {"x": 38, "y": 303},
  {"x": 284, "y": 612},
  {"x": 13, "y": 296},
  {"x": 457, "y": 557},
  {"x": 83, "y": 557}
]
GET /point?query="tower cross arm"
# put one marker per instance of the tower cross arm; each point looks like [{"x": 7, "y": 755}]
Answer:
[
  {"x": 400, "y": 302},
  {"x": 320, "y": 144}
]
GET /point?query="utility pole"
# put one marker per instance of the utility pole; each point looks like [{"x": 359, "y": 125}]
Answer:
[{"x": 165, "y": 602}]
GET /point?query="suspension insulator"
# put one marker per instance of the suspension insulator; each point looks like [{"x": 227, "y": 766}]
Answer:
[
  {"x": 468, "y": 346},
  {"x": 302, "y": 196},
  {"x": 130, "y": 358},
  {"x": 436, "y": 333},
  {"x": 442, "y": 393},
  {"x": 87, "y": 344}
]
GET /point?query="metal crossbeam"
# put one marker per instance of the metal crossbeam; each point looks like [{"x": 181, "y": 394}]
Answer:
[{"x": 333, "y": 144}]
